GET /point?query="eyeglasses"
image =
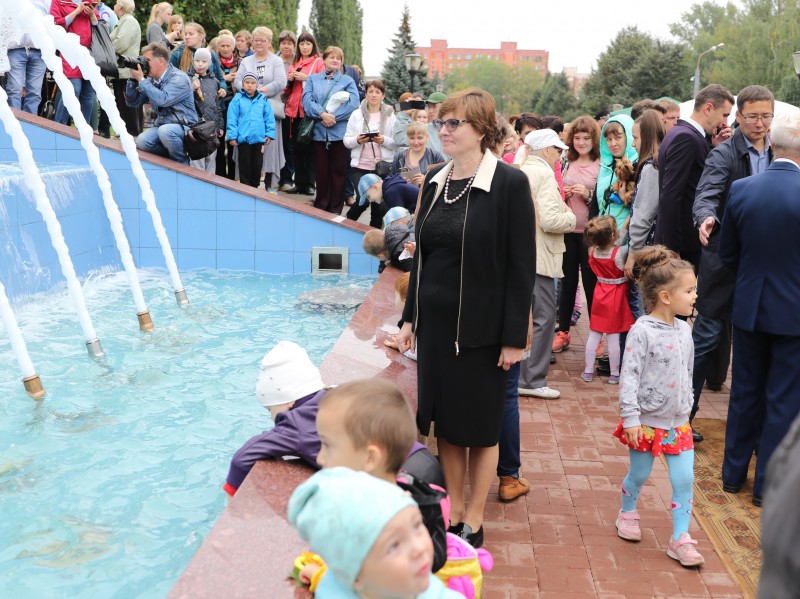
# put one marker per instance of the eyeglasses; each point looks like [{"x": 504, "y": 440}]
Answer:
[
  {"x": 752, "y": 119},
  {"x": 260, "y": 41},
  {"x": 450, "y": 124}
]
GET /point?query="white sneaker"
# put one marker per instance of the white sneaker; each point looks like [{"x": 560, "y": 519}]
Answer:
[{"x": 540, "y": 392}]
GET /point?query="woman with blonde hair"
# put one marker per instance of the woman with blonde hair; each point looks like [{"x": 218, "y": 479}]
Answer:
[
  {"x": 160, "y": 15},
  {"x": 244, "y": 43},
  {"x": 271, "y": 75},
  {"x": 183, "y": 57}
]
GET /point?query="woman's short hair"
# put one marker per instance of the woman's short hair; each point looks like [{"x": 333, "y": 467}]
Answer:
[
  {"x": 226, "y": 36},
  {"x": 308, "y": 37},
  {"x": 613, "y": 128},
  {"x": 333, "y": 50},
  {"x": 127, "y": 6},
  {"x": 265, "y": 31},
  {"x": 246, "y": 35},
  {"x": 416, "y": 128},
  {"x": 583, "y": 124},
  {"x": 479, "y": 110},
  {"x": 404, "y": 96},
  {"x": 376, "y": 83},
  {"x": 287, "y": 35}
]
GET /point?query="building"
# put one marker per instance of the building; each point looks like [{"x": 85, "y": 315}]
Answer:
[
  {"x": 575, "y": 79},
  {"x": 441, "y": 59}
]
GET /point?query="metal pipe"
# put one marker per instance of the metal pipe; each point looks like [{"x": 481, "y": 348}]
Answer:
[
  {"x": 145, "y": 321},
  {"x": 94, "y": 348},
  {"x": 180, "y": 296},
  {"x": 33, "y": 386}
]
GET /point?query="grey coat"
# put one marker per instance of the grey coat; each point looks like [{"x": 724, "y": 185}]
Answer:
[{"x": 655, "y": 386}]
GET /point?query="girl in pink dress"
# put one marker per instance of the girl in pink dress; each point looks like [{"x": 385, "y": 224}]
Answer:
[{"x": 610, "y": 313}]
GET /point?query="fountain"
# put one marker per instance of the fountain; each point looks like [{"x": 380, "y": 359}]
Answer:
[{"x": 31, "y": 380}]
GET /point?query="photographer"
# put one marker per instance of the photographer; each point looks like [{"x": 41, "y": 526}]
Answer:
[{"x": 169, "y": 92}]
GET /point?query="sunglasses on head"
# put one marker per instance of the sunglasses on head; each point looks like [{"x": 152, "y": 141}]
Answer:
[{"x": 450, "y": 124}]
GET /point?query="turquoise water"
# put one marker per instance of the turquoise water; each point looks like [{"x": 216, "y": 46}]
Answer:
[{"x": 109, "y": 485}]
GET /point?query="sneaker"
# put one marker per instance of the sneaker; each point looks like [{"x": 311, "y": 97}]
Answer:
[
  {"x": 628, "y": 526},
  {"x": 511, "y": 488},
  {"x": 286, "y": 187},
  {"x": 613, "y": 379},
  {"x": 576, "y": 315},
  {"x": 683, "y": 550},
  {"x": 599, "y": 352},
  {"x": 561, "y": 341},
  {"x": 587, "y": 377},
  {"x": 271, "y": 190},
  {"x": 540, "y": 392}
]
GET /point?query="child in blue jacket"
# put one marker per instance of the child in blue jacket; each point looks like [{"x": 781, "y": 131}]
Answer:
[{"x": 251, "y": 124}]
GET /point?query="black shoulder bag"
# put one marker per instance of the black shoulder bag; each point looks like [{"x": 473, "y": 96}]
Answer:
[{"x": 202, "y": 139}]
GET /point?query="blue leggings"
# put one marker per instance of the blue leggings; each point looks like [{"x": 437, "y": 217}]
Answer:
[{"x": 681, "y": 475}]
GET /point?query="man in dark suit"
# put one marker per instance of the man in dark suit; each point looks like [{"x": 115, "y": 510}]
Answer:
[
  {"x": 759, "y": 238},
  {"x": 681, "y": 159},
  {"x": 747, "y": 153}
]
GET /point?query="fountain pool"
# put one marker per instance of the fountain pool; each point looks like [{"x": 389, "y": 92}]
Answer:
[{"x": 109, "y": 486}]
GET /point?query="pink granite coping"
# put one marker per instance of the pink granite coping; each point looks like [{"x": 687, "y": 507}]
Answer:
[{"x": 251, "y": 548}]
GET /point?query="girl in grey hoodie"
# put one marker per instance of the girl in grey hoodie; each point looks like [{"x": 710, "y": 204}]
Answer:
[{"x": 656, "y": 396}]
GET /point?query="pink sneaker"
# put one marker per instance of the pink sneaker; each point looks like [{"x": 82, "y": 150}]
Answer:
[
  {"x": 628, "y": 526},
  {"x": 683, "y": 550}
]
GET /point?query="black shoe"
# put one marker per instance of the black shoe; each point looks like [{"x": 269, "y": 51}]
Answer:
[
  {"x": 757, "y": 501},
  {"x": 731, "y": 488},
  {"x": 713, "y": 387},
  {"x": 697, "y": 436},
  {"x": 604, "y": 362},
  {"x": 456, "y": 529},
  {"x": 105, "y": 134},
  {"x": 465, "y": 532},
  {"x": 310, "y": 190},
  {"x": 603, "y": 370},
  {"x": 552, "y": 358},
  {"x": 293, "y": 189}
]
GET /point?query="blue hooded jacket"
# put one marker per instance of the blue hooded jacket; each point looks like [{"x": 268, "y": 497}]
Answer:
[
  {"x": 250, "y": 120},
  {"x": 314, "y": 94},
  {"x": 607, "y": 177}
]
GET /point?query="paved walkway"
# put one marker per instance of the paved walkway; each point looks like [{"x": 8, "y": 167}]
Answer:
[{"x": 559, "y": 541}]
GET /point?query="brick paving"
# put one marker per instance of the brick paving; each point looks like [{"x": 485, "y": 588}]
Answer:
[{"x": 559, "y": 541}]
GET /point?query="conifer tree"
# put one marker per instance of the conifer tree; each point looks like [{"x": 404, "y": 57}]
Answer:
[
  {"x": 394, "y": 73},
  {"x": 338, "y": 23}
]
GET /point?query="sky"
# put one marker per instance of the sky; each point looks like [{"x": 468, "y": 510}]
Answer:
[{"x": 575, "y": 32}]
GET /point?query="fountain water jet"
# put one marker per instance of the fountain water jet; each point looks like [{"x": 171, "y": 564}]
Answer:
[
  {"x": 44, "y": 31},
  {"x": 33, "y": 180},
  {"x": 53, "y": 62},
  {"x": 31, "y": 380}
]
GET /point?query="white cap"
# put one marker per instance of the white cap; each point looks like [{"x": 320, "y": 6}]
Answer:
[
  {"x": 287, "y": 374},
  {"x": 543, "y": 138}
]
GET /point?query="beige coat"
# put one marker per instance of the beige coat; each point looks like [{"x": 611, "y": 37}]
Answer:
[{"x": 554, "y": 218}]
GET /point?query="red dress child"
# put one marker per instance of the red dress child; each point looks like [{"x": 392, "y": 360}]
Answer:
[{"x": 610, "y": 310}]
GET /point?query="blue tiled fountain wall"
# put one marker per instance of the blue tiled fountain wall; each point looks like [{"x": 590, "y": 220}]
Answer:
[{"x": 207, "y": 226}]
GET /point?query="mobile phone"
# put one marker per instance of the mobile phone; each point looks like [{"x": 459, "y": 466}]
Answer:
[{"x": 371, "y": 134}]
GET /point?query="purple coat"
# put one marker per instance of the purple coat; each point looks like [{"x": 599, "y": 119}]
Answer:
[{"x": 294, "y": 434}]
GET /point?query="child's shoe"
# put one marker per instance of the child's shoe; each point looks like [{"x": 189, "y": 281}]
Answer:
[
  {"x": 576, "y": 314},
  {"x": 628, "y": 526},
  {"x": 683, "y": 550},
  {"x": 561, "y": 341},
  {"x": 613, "y": 379},
  {"x": 587, "y": 377}
]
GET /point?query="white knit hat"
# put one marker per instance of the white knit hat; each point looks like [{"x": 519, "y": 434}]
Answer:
[
  {"x": 203, "y": 54},
  {"x": 287, "y": 374}
]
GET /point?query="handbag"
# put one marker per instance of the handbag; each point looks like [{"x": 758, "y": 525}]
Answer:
[
  {"x": 278, "y": 108},
  {"x": 305, "y": 132},
  {"x": 102, "y": 51},
  {"x": 382, "y": 169},
  {"x": 202, "y": 139}
]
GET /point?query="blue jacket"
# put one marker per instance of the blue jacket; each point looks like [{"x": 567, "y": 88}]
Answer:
[
  {"x": 399, "y": 192},
  {"x": 761, "y": 244},
  {"x": 314, "y": 93},
  {"x": 172, "y": 98},
  {"x": 250, "y": 120}
]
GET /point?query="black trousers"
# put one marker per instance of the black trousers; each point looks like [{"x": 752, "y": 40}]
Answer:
[
  {"x": 576, "y": 255},
  {"x": 226, "y": 166},
  {"x": 133, "y": 117},
  {"x": 287, "y": 172},
  {"x": 305, "y": 164},
  {"x": 251, "y": 159}
]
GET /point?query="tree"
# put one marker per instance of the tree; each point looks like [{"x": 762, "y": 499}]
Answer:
[
  {"x": 555, "y": 97},
  {"x": 338, "y": 23},
  {"x": 512, "y": 87},
  {"x": 394, "y": 73},
  {"x": 636, "y": 66},
  {"x": 790, "y": 90}
]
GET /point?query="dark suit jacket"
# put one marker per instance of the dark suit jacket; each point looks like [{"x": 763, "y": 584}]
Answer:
[
  {"x": 759, "y": 235},
  {"x": 681, "y": 159}
]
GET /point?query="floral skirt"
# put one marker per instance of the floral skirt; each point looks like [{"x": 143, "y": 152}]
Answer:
[{"x": 658, "y": 440}]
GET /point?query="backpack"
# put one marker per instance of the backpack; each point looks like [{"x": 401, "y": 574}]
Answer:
[{"x": 429, "y": 501}]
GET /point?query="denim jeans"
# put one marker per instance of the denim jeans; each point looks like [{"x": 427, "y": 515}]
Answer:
[
  {"x": 27, "y": 70},
  {"x": 509, "y": 462},
  {"x": 166, "y": 140},
  {"x": 85, "y": 92},
  {"x": 706, "y": 334}
]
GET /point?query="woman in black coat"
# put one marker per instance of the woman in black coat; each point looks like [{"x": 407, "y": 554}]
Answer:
[{"x": 469, "y": 299}]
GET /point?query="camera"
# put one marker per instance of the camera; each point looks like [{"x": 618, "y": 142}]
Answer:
[
  {"x": 412, "y": 105},
  {"x": 125, "y": 62}
]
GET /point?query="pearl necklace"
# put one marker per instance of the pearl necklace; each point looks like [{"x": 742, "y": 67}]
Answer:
[{"x": 463, "y": 191}]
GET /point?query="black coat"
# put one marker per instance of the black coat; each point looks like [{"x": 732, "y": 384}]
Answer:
[
  {"x": 728, "y": 162},
  {"x": 499, "y": 259},
  {"x": 681, "y": 159}
]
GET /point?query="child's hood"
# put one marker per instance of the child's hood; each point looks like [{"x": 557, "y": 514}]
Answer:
[
  {"x": 656, "y": 324},
  {"x": 606, "y": 157}
]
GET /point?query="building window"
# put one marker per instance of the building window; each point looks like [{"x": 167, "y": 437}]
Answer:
[
  {"x": 458, "y": 56},
  {"x": 538, "y": 59},
  {"x": 468, "y": 56},
  {"x": 451, "y": 56}
]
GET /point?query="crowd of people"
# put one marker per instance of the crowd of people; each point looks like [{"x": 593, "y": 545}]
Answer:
[{"x": 497, "y": 222}]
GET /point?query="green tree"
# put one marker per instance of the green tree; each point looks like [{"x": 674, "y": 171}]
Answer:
[
  {"x": 790, "y": 90},
  {"x": 338, "y": 23},
  {"x": 512, "y": 87},
  {"x": 555, "y": 97},
  {"x": 394, "y": 74},
  {"x": 635, "y": 66}
]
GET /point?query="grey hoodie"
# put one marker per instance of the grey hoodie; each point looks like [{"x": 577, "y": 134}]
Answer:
[{"x": 655, "y": 386}]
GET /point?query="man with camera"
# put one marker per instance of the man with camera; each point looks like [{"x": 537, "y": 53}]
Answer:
[{"x": 169, "y": 92}]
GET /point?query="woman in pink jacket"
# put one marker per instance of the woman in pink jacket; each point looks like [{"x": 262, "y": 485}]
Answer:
[{"x": 76, "y": 17}]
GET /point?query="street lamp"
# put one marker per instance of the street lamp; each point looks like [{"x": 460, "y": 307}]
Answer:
[
  {"x": 413, "y": 66},
  {"x": 796, "y": 59},
  {"x": 697, "y": 68}
]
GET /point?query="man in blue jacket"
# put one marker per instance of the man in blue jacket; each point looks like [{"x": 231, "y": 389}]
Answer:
[
  {"x": 759, "y": 239},
  {"x": 169, "y": 92}
]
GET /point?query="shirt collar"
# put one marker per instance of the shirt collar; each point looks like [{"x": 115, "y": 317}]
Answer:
[
  {"x": 749, "y": 145},
  {"x": 792, "y": 162},
  {"x": 696, "y": 125},
  {"x": 483, "y": 177}
]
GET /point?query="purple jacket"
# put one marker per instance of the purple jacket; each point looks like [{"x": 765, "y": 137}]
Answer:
[{"x": 294, "y": 434}]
